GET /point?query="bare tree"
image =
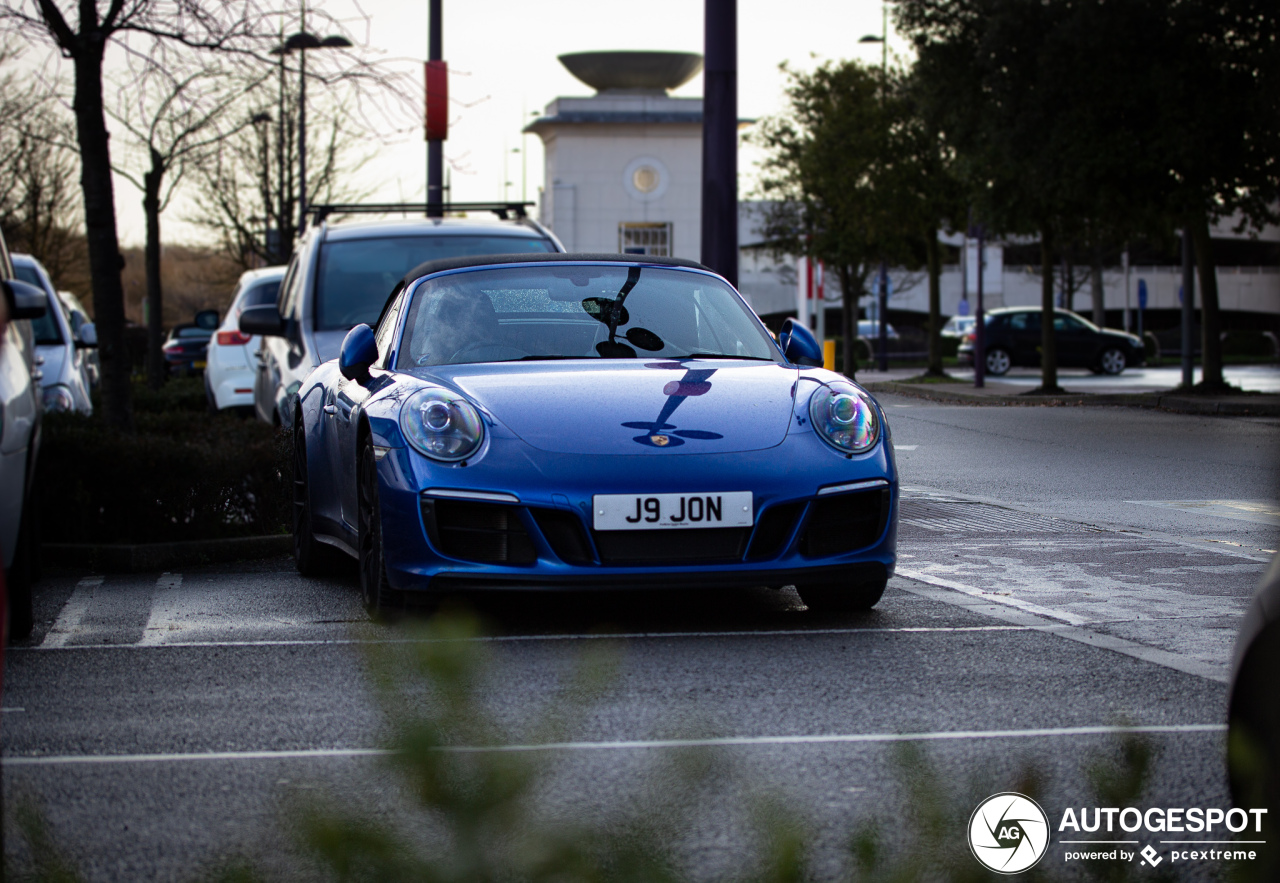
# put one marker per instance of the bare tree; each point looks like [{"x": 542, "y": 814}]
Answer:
[
  {"x": 248, "y": 191},
  {"x": 176, "y": 115},
  {"x": 82, "y": 31},
  {"x": 39, "y": 205}
]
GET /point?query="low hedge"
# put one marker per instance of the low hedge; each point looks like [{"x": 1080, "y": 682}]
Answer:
[{"x": 185, "y": 474}]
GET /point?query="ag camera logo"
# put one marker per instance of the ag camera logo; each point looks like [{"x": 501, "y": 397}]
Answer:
[{"x": 1008, "y": 833}]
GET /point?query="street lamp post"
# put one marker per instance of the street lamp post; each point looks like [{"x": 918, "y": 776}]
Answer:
[
  {"x": 882, "y": 302},
  {"x": 302, "y": 41}
]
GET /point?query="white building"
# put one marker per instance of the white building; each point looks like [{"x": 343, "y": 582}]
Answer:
[{"x": 624, "y": 167}]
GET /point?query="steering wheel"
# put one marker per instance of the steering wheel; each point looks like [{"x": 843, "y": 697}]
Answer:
[{"x": 485, "y": 352}]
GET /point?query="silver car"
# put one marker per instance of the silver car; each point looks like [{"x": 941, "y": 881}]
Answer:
[
  {"x": 341, "y": 276},
  {"x": 20, "y": 418},
  {"x": 62, "y": 345}
]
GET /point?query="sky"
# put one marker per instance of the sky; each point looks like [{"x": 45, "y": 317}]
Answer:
[{"x": 503, "y": 69}]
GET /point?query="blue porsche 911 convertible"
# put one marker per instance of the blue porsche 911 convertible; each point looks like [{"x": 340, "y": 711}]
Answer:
[{"x": 590, "y": 421}]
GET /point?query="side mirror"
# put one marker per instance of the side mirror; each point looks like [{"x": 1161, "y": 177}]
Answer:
[
  {"x": 359, "y": 351},
  {"x": 262, "y": 320},
  {"x": 25, "y": 301},
  {"x": 88, "y": 336},
  {"x": 799, "y": 345}
]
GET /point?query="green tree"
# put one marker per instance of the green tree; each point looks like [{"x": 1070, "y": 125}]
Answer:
[
  {"x": 1094, "y": 121},
  {"x": 824, "y": 174}
]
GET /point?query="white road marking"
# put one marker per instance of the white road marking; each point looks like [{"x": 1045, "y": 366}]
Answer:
[
  {"x": 72, "y": 614},
  {"x": 627, "y": 744},
  {"x": 1008, "y": 613},
  {"x": 1241, "y": 510},
  {"x": 905, "y": 447},
  {"x": 594, "y": 636},
  {"x": 165, "y": 607},
  {"x": 1007, "y": 600}
]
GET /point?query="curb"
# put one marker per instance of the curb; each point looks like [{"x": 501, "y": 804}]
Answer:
[
  {"x": 142, "y": 557},
  {"x": 1243, "y": 406}
]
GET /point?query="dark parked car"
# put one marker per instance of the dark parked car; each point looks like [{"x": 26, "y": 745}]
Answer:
[{"x": 1013, "y": 338}]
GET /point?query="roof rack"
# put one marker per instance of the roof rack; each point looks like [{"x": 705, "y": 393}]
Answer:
[{"x": 504, "y": 210}]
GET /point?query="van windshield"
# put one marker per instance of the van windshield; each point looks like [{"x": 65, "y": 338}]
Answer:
[{"x": 357, "y": 275}]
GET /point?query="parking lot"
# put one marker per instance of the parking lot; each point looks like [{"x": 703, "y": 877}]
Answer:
[{"x": 163, "y": 720}]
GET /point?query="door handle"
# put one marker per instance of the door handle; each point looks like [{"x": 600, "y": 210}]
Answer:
[{"x": 330, "y": 409}]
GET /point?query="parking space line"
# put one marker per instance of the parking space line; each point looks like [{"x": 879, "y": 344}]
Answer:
[
  {"x": 587, "y": 636},
  {"x": 72, "y": 614},
  {"x": 1006, "y": 600},
  {"x": 629, "y": 744},
  {"x": 164, "y": 608}
]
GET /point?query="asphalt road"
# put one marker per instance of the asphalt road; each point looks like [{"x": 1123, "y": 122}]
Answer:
[{"x": 1063, "y": 571}]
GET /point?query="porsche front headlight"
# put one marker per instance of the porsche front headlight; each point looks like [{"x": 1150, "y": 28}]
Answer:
[
  {"x": 441, "y": 424},
  {"x": 844, "y": 417}
]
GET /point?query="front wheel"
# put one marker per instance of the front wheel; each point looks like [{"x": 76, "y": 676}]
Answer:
[
  {"x": 1113, "y": 361},
  {"x": 375, "y": 591},
  {"x": 998, "y": 361},
  {"x": 841, "y": 598}
]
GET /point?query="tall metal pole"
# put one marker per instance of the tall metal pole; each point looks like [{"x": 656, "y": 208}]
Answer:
[
  {"x": 302, "y": 140},
  {"x": 720, "y": 140},
  {"x": 882, "y": 313},
  {"x": 979, "y": 324},
  {"x": 1188, "y": 303},
  {"x": 435, "y": 147}
]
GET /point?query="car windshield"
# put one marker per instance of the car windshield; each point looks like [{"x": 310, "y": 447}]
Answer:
[
  {"x": 357, "y": 275},
  {"x": 567, "y": 311}
]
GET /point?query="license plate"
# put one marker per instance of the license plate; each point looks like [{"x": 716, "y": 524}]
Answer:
[
  {"x": 197, "y": 364},
  {"x": 658, "y": 511}
]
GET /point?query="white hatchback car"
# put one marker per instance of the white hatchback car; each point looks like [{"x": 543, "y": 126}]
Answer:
[
  {"x": 62, "y": 345},
  {"x": 233, "y": 355}
]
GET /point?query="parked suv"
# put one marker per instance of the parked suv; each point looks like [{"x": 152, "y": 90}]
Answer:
[
  {"x": 1013, "y": 337},
  {"x": 341, "y": 275},
  {"x": 20, "y": 418}
]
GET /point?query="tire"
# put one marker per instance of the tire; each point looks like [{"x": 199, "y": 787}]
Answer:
[
  {"x": 379, "y": 598},
  {"x": 1113, "y": 361},
  {"x": 309, "y": 554},
  {"x": 998, "y": 361},
  {"x": 840, "y": 598}
]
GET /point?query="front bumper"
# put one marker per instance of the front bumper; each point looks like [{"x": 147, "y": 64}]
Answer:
[{"x": 548, "y": 497}]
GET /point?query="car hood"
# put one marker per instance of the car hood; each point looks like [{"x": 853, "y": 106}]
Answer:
[{"x": 587, "y": 407}]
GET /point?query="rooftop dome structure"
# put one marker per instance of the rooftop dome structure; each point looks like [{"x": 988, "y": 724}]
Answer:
[{"x": 636, "y": 73}]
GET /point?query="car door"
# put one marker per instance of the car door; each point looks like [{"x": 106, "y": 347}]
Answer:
[
  {"x": 348, "y": 397},
  {"x": 1075, "y": 341},
  {"x": 1024, "y": 337}
]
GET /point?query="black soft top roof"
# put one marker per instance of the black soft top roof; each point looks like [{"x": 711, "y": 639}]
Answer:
[{"x": 484, "y": 260}]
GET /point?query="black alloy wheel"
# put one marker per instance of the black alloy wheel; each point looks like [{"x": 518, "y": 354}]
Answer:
[
  {"x": 308, "y": 552},
  {"x": 841, "y": 598},
  {"x": 375, "y": 591}
]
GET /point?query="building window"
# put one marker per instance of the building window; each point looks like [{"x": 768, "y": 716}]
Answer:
[{"x": 644, "y": 237}]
